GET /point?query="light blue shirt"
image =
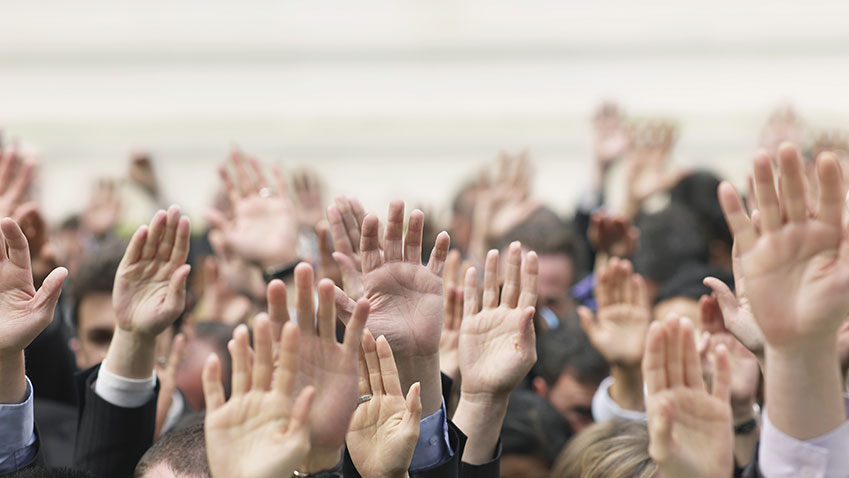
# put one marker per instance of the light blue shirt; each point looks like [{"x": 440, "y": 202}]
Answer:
[
  {"x": 433, "y": 447},
  {"x": 17, "y": 434}
]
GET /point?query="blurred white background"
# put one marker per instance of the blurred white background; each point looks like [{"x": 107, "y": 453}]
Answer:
[{"x": 400, "y": 99}]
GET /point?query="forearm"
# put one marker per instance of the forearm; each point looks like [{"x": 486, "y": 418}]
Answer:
[
  {"x": 627, "y": 387},
  {"x": 480, "y": 417},
  {"x": 13, "y": 384},
  {"x": 803, "y": 390},
  {"x": 131, "y": 354},
  {"x": 423, "y": 369}
]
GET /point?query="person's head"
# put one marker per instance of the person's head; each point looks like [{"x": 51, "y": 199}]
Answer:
[
  {"x": 91, "y": 295},
  {"x": 680, "y": 293},
  {"x": 697, "y": 192},
  {"x": 569, "y": 371},
  {"x": 202, "y": 339},
  {"x": 39, "y": 472},
  {"x": 177, "y": 454},
  {"x": 561, "y": 257},
  {"x": 617, "y": 448},
  {"x": 669, "y": 239}
]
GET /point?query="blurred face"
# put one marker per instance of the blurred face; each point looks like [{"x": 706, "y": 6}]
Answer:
[
  {"x": 191, "y": 370},
  {"x": 556, "y": 275},
  {"x": 573, "y": 400},
  {"x": 681, "y": 306},
  {"x": 94, "y": 330}
]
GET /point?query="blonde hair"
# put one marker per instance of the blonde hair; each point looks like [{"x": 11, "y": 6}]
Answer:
[{"x": 612, "y": 449}]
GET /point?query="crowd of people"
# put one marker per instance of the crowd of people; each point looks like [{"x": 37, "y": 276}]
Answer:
[{"x": 691, "y": 332}]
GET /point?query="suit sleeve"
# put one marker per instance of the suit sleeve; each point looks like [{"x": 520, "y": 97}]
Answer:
[{"x": 111, "y": 439}]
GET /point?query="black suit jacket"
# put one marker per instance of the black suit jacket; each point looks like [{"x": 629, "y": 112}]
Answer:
[{"x": 111, "y": 439}]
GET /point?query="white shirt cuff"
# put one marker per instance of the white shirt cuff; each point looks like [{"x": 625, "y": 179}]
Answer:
[
  {"x": 604, "y": 408},
  {"x": 781, "y": 455},
  {"x": 121, "y": 391}
]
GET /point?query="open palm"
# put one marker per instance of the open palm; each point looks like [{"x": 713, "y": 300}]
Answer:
[
  {"x": 502, "y": 333},
  {"x": 149, "y": 292}
]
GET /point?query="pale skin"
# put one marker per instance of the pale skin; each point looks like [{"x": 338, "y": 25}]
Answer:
[
  {"x": 619, "y": 329},
  {"x": 149, "y": 292},
  {"x": 263, "y": 430},
  {"x": 324, "y": 364},
  {"x": 384, "y": 430},
  {"x": 405, "y": 297},
  {"x": 498, "y": 332},
  {"x": 690, "y": 432},
  {"x": 24, "y": 311},
  {"x": 796, "y": 264}
]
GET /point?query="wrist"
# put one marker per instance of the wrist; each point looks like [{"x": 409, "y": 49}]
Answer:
[
  {"x": 131, "y": 354},
  {"x": 321, "y": 459},
  {"x": 13, "y": 383},
  {"x": 423, "y": 369},
  {"x": 627, "y": 387}
]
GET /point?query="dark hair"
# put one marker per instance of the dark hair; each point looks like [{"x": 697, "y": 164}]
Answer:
[
  {"x": 697, "y": 193},
  {"x": 687, "y": 282},
  {"x": 39, "y": 472},
  {"x": 183, "y": 451},
  {"x": 669, "y": 239},
  {"x": 96, "y": 274},
  {"x": 568, "y": 347},
  {"x": 545, "y": 232}
]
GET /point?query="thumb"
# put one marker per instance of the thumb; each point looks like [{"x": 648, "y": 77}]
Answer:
[
  {"x": 728, "y": 303},
  {"x": 47, "y": 296},
  {"x": 344, "y": 305},
  {"x": 413, "y": 412},
  {"x": 176, "y": 298},
  {"x": 587, "y": 321}
]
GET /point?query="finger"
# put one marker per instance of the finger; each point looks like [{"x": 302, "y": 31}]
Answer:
[
  {"x": 641, "y": 291},
  {"x": 363, "y": 383},
  {"x": 674, "y": 352},
  {"x": 604, "y": 286},
  {"x": 7, "y": 164},
  {"x": 349, "y": 220},
  {"x": 587, "y": 322},
  {"x": 287, "y": 359},
  {"x": 175, "y": 300},
  {"x": 354, "y": 328},
  {"x": 213, "y": 389},
  {"x": 625, "y": 280},
  {"x": 512, "y": 276},
  {"x": 831, "y": 203},
  {"x": 413, "y": 414},
  {"x": 229, "y": 187},
  {"x": 351, "y": 276},
  {"x": 457, "y": 292},
  {"x": 614, "y": 286},
  {"x": 326, "y": 311},
  {"x": 243, "y": 180},
  {"x": 16, "y": 242},
  {"x": 369, "y": 245},
  {"x": 692, "y": 364},
  {"x": 278, "y": 309},
  {"x": 490, "y": 280},
  {"x": 530, "y": 281},
  {"x": 154, "y": 235},
  {"x": 259, "y": 176},
  {"x": 722, "y": 373},
  {"x": 769, "y": 206},
  {"x": 388, "y": 369},
  {"x": 262, "y": 366},
  {"x": 439, "y": 253},
  {"x": 304, "y": 304},
  {"x": 341, "y": 241},
  {"x": 279, "y": 181},
  {"x": 344, "y": 305},
  {"x": 180, "y": 251},
  {"x": 357, "y": 209},
  {"x": 172, "y": 219},
  {"x": 470, "y": 293},
  {"x": 21, "y": 182},
  {"x": 726, "y": 299},
  {"x": 373, "y": 363},
  {"x": 413, "y": 238},
  {"x": 451, "y": 272},
  {"x": 393, "y": 251},
  {"x": 301, "y": 408},
  {"x": 449, "y": 304},
  {"x": 738, "y": 221},
  {"x": 792, "y": 180},
  {"x": 240, "y": 360},
  {"x": 47, "y": 296},
  {"x": 654, "y": 362}
]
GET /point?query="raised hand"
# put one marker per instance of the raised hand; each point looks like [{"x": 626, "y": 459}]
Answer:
[
  {"x": 150, "y": 285},
  {"x": 308, "y": 192},
  {"x": 24, "y": 312},
  {"x": 796, "y": 265},
  {"x": 611, "y": 138},
  {"x": 624, "y": 314},
  {"x": 15, "y": 178},
  {"x": 346, "y": 218},
  {"x": 325, "y": 364},
  {"x": 263, "y": 430},
  {"x": 264, "y": 226},
  {"x": 149, "y": 292},
  {"x": 498, "y": 333},
  {"x": 384, "y": 430},
  {"x": 690, "y": 429},
  {"x": 103, "y": 210},
  {"x": 612, "y": 234}
]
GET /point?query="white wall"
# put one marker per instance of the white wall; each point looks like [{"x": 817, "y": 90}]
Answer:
[{"x": 394, "y": 98}]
